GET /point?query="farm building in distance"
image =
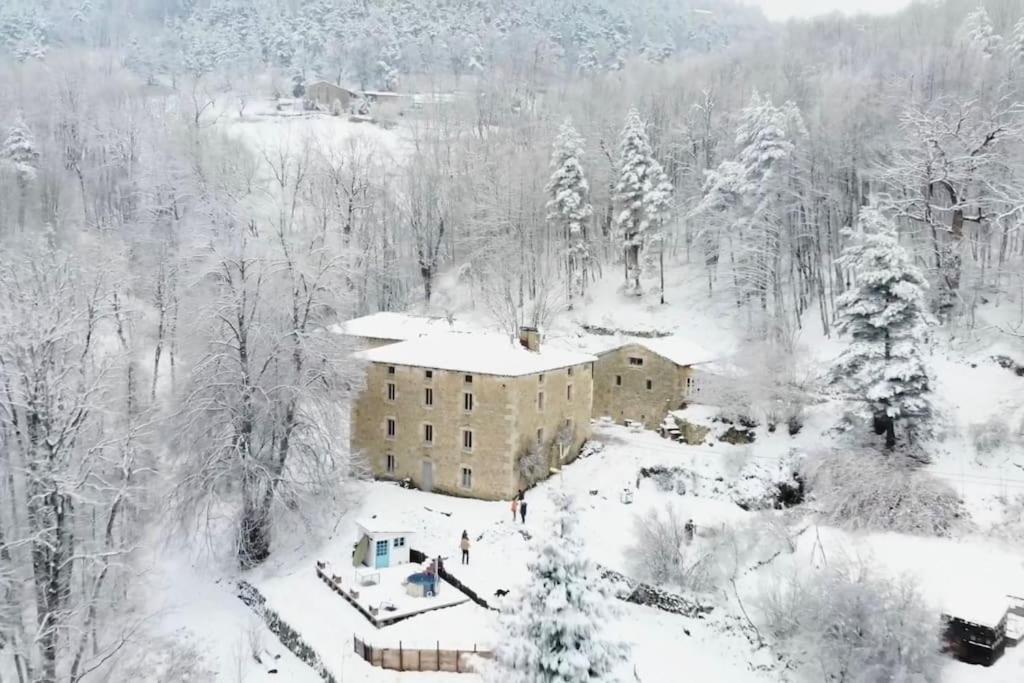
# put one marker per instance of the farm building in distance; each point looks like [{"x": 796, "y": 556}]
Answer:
[
  {"x": 471, "y": 414},
  {"x": 324, "y": 95}
]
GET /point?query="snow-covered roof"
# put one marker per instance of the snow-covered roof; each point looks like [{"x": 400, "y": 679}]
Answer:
[
  {"x": 480, "y": 353},
  {"x": 397, "y": 326},
  {"x": 986, "y": 608},
  {"x": 676, "y": 348},
  {"x": 382, "y": 525}
]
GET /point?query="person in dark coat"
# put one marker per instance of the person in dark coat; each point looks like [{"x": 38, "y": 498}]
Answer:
[
  {"x": 464, "y": 544},
  {"x": 522, "y": 510}
]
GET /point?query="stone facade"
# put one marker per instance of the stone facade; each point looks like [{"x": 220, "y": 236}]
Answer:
[
  {"x": 634, "y": 383},
  {"x": 503, "y": 420}
]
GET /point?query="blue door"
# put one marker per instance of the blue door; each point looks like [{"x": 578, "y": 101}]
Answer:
[{"x": 381, "y": 554}]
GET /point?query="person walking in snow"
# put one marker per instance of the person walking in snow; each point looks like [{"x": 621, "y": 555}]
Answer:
[
  {"x": 522, "y": 510},
  {"x": 515, "y": 508},
  {"x": 688, "y": 530},
  {"x": 464, "y": 544}
]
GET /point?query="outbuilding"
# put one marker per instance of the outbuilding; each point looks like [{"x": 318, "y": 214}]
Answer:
[{"x": 382, "y": 543}]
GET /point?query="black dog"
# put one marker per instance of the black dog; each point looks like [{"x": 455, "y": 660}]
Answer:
[{"x": 500, "y": 593}]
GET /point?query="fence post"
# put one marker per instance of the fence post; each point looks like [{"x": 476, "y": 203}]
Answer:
[
  {"x": 438, "y": 660},
  {"x": 457, "y": 662},
  {"x": 419, "y": 660},
  {"x": 401, "y": 657}
]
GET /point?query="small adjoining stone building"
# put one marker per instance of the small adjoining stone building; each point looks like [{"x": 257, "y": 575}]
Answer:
[
  {"x": 641, "y": 380},
  {"x": 455, "y": 412}
]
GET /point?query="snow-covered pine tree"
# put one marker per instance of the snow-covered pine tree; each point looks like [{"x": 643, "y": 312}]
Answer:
[
  {"x": 569, "y": 206},
  {"x": 1015, "y": 46},
  {"x": 979, "y": 31},
  {"x": 554, "y": 630},
  {"x": 884, "y": 313},
  {"x": 19, "y": 152},
  {"x": 658, "y": 203},
  {"x": 642, "y": 196}
]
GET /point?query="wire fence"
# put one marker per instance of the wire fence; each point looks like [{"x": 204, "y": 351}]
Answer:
[{"x": 415, "y": 659}]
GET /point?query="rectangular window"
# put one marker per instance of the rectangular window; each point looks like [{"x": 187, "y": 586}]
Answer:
[
  {"x": 467, "y": 402},
  {"x": 428, "y": 434},
  {"x": 467, "y": 439},
  {"x": 392, "y": 428},
  {"x": 568, "y": 392},
  {"x": 540, "y": 435},
  {"x": 382, "y": 548},
  {"x": 633, "y": 360},
  {"x": 392, "y": 464},
  {"x": 391, "y": 369},
  {"x": 468, "y": 379},
  {"x": 392, "y": 390},
  {"x": 570, "y": 372},
  {"x": 540, "y": 378},
  {"x": 429, "y": 374},
  {"x": 400, "y": 541},
  {"x": 650, "y": 385},
  {"x": 467, "y": 478},
  {"x": 568, "y": 424},
  {"x": 428, "y": 397},
  {"x": 540, "y": 400},
  {"x": 618, "y": 380}
]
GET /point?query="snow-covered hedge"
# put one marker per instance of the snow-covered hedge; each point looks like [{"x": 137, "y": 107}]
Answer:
[
  {"x": 866, "y": 490},
  {"x": 288, "y": 636},
  {"x": 845, "y": 624}
]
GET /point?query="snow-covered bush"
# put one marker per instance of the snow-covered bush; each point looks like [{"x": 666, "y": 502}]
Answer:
[
  {"x": 555, "y": 630},
  {"x": 990, "y": 435},
  {"x": 534, "y": 463},
  {"x": 767, "y": 487},
  {"x": 662, "y": 552},
  {"x": 862, "y": 490},
  {"x": 845, "y": 624}
]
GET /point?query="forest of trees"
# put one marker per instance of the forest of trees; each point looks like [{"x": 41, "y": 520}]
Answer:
[{"x": 167, "y": 287}]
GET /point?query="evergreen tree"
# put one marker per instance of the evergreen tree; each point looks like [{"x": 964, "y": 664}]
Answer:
[
  {"x": 884, "y": 314},
  {"x": 642, "y": 198},
  {"x": 554, "y": 631},
  {"x": 19, "y": 152},
  {"x": 978, "y": 27},
  {"x": 569, "y": 206},
  {"x": 1015, "y": 46}
]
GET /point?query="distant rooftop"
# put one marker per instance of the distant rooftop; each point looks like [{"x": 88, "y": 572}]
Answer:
[
  {"x": 480, "y": 353},
  {"x": 397, "y": 326}
]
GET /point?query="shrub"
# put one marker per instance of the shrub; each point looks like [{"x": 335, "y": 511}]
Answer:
[
  {"x": 846, "y": 624},
  {"x": 991, "y": 435},
  {"x": 863, "y": 490},
  {"x": 662, "y": 554}
]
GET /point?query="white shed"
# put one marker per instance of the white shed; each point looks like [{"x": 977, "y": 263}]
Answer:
[{"x": 382, "y": 543}]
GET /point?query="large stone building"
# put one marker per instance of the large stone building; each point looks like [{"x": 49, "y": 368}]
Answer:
[
  {"x": 643, "y": 379},
  {"x": 458, "y": 412}
]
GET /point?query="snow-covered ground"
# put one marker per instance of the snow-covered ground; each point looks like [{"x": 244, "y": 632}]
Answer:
[{"x": 977, "y": 567}]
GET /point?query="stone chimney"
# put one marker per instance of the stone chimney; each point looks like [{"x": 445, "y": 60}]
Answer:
[{"x": 529, "y": 337}]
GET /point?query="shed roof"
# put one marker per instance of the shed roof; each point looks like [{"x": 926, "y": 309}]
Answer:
[
  {"x": 482, "y": 353},
  {"x": 397, "y": 326},
  {"x": 382, "y": 525}
]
